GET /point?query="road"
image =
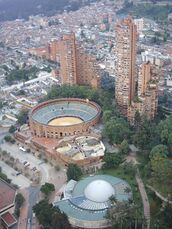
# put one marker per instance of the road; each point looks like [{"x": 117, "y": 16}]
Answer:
[{"x": 33, "y": 198}]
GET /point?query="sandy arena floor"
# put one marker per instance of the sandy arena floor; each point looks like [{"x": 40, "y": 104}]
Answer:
[{"x": 65, "y": 121}]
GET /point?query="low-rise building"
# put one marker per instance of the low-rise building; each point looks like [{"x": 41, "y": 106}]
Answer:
[{"x": 7, "y": 204}]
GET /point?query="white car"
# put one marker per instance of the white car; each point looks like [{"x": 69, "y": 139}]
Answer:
[{"x": 22, "y": 149}]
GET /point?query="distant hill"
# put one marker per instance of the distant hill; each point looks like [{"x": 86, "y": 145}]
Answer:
[{"x": 17, "y": 9}]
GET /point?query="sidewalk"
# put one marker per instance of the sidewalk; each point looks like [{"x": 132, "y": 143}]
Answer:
[{"x": 24, "y": 210}]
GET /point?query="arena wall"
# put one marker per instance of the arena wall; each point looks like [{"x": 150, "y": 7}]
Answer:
[{"x": 47, "y": 131}]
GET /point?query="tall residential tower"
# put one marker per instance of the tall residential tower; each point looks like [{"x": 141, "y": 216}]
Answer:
[
  {"x": 67, "y": 53},
  {"x": 77, "y": 66},
  {"x": 134, "y": 92},
  {"x": 126, "y": 36}
]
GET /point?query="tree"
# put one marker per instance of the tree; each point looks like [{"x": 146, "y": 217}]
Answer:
[
  {"x": 137, "y": 120},
  {"x": 19, "y": 200},
  {"x": 161, "y": 149},
  {"x": 50, "y": 216},
  {"x": 165, "y": 132},
  {"x": 164, "y": 216},
  {"x": 8, "y": 138},
  {"x": 123, "y": 215},
  {"x": 161, "y": 167},
  {"x": 147, "y": 135},
  {"x": 47, "y": 188},
  {"x": 112, "y": 160},
  {"x": 22, "y": 116},
  {"x": 12, "y": 129},
  {"x": 74, "y": 172},
  {"x": 116, "y": 129},
  {"x": 107, "y": 114},
  {"x": 124, "y": 148},
  {"x": 44, "y": 212},
  {"x": 129, "y": 168},
  {"x": 61, "y": 220}
]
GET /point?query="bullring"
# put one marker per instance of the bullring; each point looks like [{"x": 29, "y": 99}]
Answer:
[{"x": 63, "y": 117}]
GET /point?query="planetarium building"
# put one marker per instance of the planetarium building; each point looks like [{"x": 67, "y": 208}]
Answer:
[{"x": 86, "y": 202}]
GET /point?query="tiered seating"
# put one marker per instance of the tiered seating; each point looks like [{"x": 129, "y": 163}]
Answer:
[{"x": 47, "y": 113}]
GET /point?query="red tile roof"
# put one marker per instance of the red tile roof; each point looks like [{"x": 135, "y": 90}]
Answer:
[
  {"x": 7, "y": 194},
  {"x": 8, "y": 219}
]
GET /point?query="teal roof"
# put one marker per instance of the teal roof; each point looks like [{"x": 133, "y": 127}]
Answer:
[
  {"x": 81, "y": 208},
  {"x": 78, "y": 213}
]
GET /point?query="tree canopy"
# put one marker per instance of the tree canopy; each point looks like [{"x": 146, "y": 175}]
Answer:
[
  {"x": 50, "y": 216},
  {"x": 74, "y": 172},
  {"x": 22, "y": 116},
  {"x": 47, "y": 188},
  {"x": 112, "y": 160}
]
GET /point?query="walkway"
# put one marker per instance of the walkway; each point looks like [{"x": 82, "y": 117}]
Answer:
[
  {"x": 22, "y": 224},
  {"x": 146, "y": 205},
  {"x": 159, "y": 195}
]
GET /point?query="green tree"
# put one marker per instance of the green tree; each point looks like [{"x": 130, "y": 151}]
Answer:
[
  {"x": 124, "y": 147},
  {"x": 161, "y": 149},
  {"x": 47, "y": 188},
  {"x": 123, "y": 215},
  {"x": 61, "y": 220},
  {"x": 129, "y": 168},
  {"x": 147, "y": 135},
  {"x": 164, "y": 217},
  {"x": 19, "y": 200},
  {"x": 22, "y": 116},
  {"x": 161, "y": 167},
  {"x": 116, "y": 130},
  {"x": 137, "y": 120},
  {"x": 112, "y": 160},
  {"x": 8, "y": 138},
  {"x": 74, "y": 172},
  {"x": 12, "y": 129},
  {"x": 107, "y": 114},
  {"x": 50, "y": 216},
  {"x": 165, "y": 132}
]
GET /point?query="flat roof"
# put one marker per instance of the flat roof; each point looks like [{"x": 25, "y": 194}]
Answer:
[
  {"x": 8, "y": 219},
  {"x": 7, "y": 194}
]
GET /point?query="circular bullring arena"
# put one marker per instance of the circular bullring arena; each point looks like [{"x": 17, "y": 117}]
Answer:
[{"x": 63, "y": 117}]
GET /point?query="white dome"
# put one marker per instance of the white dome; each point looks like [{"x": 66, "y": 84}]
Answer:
[{"x": 99, "y": 191}]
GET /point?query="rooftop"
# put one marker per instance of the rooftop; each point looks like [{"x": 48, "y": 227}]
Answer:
[
  {"x": 8, "y": 219},
  {"x": 7, "y": 195},
  {"x": 88, "y": 199}
]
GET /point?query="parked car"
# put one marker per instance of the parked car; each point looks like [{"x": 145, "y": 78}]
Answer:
[{"x": 22, "y": 149}]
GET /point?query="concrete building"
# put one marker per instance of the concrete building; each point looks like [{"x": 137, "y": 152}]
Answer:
[
  {"x": 53, "y": 50},
  {"x": 76, "y": 66},
  {"x": 86, "y": 202},
  {"x": 146, "y": 100},
  {"x": 7, "y": 204},
  {"x": 67, "y": 54},
  {"x": 88, "y": 72},
  {"x": 139, "y": 23},
  {"x": 126, "y": 36}
]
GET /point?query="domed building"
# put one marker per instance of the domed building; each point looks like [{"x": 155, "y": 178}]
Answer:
[{"x": 86, "y": 202}]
